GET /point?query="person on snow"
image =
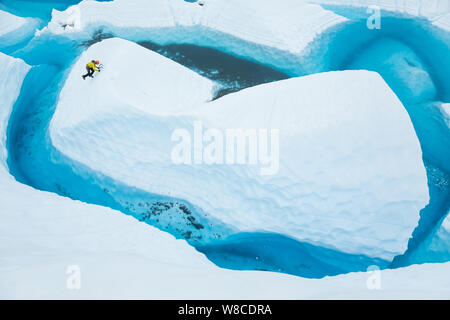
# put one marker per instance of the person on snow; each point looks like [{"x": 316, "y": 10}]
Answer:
[{"x": 91, "y": 67}]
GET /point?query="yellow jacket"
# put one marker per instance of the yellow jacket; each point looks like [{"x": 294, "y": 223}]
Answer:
[{"x": 92, "y": 65}]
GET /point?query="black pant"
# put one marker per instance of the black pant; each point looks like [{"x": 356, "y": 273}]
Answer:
[{"x": 89, "y": 73}]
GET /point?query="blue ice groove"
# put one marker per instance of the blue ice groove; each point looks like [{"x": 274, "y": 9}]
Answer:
[
  {"x": 34, "y": 161},
  {"x": 275, "y": 252}
]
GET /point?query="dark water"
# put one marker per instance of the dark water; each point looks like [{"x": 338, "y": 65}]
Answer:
[{"x": 233, "y": 73}]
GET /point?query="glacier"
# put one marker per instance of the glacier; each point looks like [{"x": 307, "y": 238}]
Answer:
[
  {"x": 249, "y": 32},
  {"x": 97, "y": 133},
  {"x": 337, "y": 27}
]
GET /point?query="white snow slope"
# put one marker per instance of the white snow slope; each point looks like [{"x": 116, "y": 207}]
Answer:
[
  {"x": 14, "y": 29},
  {"x": 43, "y": 236},
  {"x": 350, "y": 172}
]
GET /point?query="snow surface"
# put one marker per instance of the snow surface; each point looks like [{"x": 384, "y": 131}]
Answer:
[
  {"x": 350, "y": 174},
  {"x": 437, "y": 11},
  {"x": 15, "y": 29},
  {"x": 250, "y": 28},
  {"x": 122, "y": 258}
]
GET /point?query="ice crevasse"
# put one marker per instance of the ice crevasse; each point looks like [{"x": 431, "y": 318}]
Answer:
[
  {"x": 272, "y": 33},
  {"x": 357, "y": 190}
]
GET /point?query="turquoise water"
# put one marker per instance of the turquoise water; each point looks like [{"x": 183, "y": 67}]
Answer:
[
  {"x": 275, "y": 252},
  {"x": 33, "y": 160}
]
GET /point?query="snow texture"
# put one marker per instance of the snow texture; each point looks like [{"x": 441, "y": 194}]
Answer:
[
  {"x": 270, "y": 32},
  {"x": 350, "y": 172},
  {"x": 53, "y": 234},
  {"x": 445, "y": 110},
  {"x": 13, "y": 72}
]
